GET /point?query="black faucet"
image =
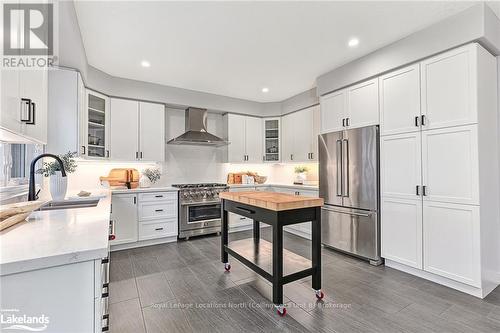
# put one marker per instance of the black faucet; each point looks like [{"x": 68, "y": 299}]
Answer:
[{"x": 32, "y": 196}]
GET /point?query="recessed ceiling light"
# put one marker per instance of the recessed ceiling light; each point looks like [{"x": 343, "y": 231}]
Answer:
[
  {"x": 265, "y": 90},
  {"x": 145, "y": 63},
  {"x": 353, "y": 42}
]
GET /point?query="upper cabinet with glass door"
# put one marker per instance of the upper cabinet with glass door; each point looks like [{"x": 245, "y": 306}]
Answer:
[
  {"x": 272, "y": 133},
  {"x": 96, "y": 125}
]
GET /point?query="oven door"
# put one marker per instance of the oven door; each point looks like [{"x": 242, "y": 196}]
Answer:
[{"x": 200, "y": 215}]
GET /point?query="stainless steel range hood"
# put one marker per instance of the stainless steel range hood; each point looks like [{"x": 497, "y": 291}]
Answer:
[{"x": 196, "y": 131}]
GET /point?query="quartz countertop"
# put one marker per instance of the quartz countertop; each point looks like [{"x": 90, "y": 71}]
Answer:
[
  {"x": 292, "y": 186},
  {"x": 144, "y": 189},
  {"x": 57, "y": 237}
]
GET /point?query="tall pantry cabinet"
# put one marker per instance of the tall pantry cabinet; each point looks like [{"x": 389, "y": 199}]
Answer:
[{"x": 439, "y": 169}]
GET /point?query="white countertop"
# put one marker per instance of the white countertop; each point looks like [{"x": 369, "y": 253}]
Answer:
[
  {"x": 144, "y": 189},
  {"x": 57, "y": 237},
  {"x": 292, "y": 186}
]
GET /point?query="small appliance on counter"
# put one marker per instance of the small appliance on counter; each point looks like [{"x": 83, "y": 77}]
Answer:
[
  {"x": 122, "y": 177},
  {"x": 245, "y": 178}
]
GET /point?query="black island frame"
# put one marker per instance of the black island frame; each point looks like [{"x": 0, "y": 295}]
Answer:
[{"x": 276, "y": 219}]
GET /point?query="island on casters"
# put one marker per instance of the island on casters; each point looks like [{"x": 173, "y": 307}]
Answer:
[{"x": 276, "y": 210}]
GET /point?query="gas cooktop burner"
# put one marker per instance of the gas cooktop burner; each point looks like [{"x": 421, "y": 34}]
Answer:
[{"x": 200, "y": 185}]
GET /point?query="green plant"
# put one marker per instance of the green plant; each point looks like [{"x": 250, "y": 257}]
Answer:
[
  {"x": 300, "y": 169},
  {"x": 152, "y": 174},
  {"x": 50, "y": 168}
]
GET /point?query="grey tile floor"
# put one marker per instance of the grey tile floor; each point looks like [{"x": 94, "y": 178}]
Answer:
[{"x": 182, "y": 287}]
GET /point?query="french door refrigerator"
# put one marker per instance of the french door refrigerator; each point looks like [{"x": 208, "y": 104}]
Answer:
[{"x": 349, "y": 184}]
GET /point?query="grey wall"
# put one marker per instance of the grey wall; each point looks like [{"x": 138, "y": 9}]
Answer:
[
  {"x": 477, "y": 23},
  {"x": 300, "y": 101}
]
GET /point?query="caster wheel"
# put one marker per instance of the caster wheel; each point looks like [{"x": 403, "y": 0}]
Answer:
[
  {"x": 227, "y": 267},
  {"x": 281, "y": 310},
  {"x": 319, "y": 294}
]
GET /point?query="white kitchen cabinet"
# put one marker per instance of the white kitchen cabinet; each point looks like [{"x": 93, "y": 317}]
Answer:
[
  {"x": 300, "y": 135},
  {"x": 97, "y": 126},
  {"x": 400, "y": 101},
  {"x": 124, "y": 129},
  {"x": 151, "y": 131},
  {"x": 272, "y": 139},
  {"x": 137, "y": 130},
  {"x": 450, "y": 165},
  {"x": 253, "y": 139},
  {"x": 33, "y": 86},
  {"x": 124, "y": 215},
  {"x": 333, "y": 111},
  {"x": 400, "y": 165},
  {"x": 11, "y": 101},
  {"x": 65, "y": 98},
  {"x": 363, "y": 104},
  {"x": 452, "y": 241},
  {"x": 401, "y": 230},
  {"x": 246, "y": 139},
  {"x": 449, "y": 85},
  {"x": 236, "y": 137},
  {"x": 158, "y": 212}
]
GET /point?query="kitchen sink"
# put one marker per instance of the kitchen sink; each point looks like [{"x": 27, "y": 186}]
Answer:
[{"x": 69, "y": 204}]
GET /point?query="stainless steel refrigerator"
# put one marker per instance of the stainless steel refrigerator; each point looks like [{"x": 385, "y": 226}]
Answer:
[{"x": 349, "y": 184}]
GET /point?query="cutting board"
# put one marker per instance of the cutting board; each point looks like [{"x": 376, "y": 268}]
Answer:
[{"x": 120, "y": 177}]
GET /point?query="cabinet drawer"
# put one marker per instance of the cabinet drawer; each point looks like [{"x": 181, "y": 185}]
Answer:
[
  {"x": 157, "y": 196},
  {"x": 158, "y": 229},
  {"x": 157, "y": 210}
]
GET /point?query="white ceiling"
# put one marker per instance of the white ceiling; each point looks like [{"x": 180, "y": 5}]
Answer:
[{"x": 237, "y": 48}]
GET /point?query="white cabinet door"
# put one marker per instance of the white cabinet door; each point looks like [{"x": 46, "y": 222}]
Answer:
[
  {"x": 33, "y": 84},
  {"x": 362, "y": 104},
  {"x": 450, "y": 164},
  {"x": 400, "y": 101},
  {"x": 302, "y": 128},
  {"x": 316, "y": 123},
  {"x": 287, "y": 138},
  {"x": 124, "y": 215},
  {"x": 97, "y": 125},
  {"x": 449, "y": 88},
  {"x": 236, "y": 138},
  {"x": 451, "y": 241},
  {"x": 152, "y": 132},
  {"x": 11, "y": 100},
  {"x": 253, "y": 140},
  {"x": 400, "y": 165},
  {"x": 333, "y": 111},
  {"x": 124, "y": 129},
  {"x": 401, "y": 231}
]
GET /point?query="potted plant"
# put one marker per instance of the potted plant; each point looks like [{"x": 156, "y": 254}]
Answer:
[
  {"x": 52, "y": 169},
  {"x": 149, "y": 176},
  {"x": 300, "y": 172}
]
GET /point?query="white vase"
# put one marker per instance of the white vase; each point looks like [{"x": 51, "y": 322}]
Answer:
[
  {"x": 144, "y": 182},
  {"x": 58, "y": 186},
  {"x": 300, "y": 178}
]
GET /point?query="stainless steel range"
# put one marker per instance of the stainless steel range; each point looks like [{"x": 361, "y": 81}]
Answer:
[{"x": 199, "y": 209}]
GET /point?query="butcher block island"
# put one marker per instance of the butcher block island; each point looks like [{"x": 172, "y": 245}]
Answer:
[{"x": 270, "y": 260}]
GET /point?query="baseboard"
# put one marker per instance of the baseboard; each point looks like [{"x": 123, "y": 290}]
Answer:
[
  {"x": 148, "y": 242},
  {"x": 299, "y": 233},
  {"x": 477, "y": 292}
]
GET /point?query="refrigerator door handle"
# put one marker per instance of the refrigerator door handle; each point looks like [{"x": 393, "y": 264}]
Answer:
[
  {"x": 340, "y": 165},
  {"x": 346, "y": 213},
  {"x": 345, "y": 168}
]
